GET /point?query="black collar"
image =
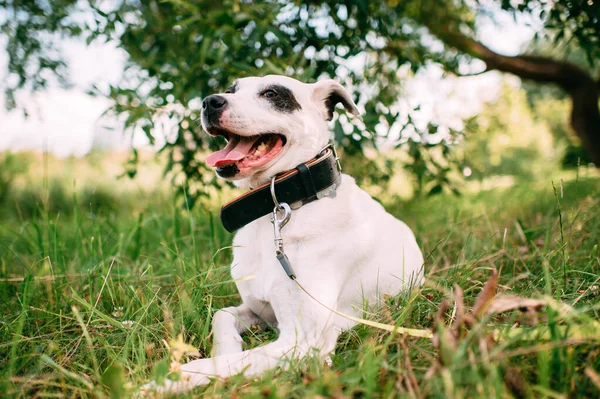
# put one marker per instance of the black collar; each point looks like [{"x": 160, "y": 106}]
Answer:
[{"x": 309, "y": 181}]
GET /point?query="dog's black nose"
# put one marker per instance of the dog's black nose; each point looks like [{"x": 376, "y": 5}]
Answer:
[{"x": 214, "y": 103}]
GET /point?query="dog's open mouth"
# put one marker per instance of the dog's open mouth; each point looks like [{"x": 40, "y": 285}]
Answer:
[{"x": 246, "y": 152}]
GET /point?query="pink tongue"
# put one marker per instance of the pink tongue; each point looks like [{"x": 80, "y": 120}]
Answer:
[{"x": 237, "y": 148}]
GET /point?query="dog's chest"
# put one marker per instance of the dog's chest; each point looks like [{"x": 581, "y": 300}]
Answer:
[
  {"x": 254, "y": 256},
  {"x": 254, "y": 259}
]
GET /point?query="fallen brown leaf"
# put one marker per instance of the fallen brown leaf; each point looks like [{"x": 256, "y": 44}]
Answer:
[
  {"x": 460, "y": 306},
  {"x": 447, "y": 336},
  {"x": 506, "y": 303},
  {"x": 487, "y": 294}
]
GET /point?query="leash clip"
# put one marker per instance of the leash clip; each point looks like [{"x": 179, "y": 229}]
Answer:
[
  {"x": 279, "y": 223},
  {"x": 283, "y": 209}
]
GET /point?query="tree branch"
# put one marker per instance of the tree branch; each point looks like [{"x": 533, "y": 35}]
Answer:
[
  {"x": 577, "y": 82},
  {"x": 468, "y": 75}
]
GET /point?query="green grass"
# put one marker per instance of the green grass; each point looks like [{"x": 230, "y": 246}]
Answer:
[{"x": 77, "y": 269}]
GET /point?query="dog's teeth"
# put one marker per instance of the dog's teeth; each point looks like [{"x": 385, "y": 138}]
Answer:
[{"x": 261, "y": 147}]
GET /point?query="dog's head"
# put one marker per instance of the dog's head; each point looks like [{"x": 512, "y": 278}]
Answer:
[{"x": 271, "y": 124}]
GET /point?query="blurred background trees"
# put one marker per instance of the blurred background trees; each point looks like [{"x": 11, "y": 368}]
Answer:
[
  {"x": 181, "y": 51},
  {"x": 503, "y": 147}
]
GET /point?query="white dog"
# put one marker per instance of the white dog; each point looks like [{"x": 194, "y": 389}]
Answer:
[{"x": 343, "y": 249}]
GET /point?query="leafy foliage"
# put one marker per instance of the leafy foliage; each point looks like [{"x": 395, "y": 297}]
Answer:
[
  {"x": 500, "y": 146},
  {"x": 181, "y": 51},
  {"x": 31, "y": 28},
  {"x": 566, "y": 20}
]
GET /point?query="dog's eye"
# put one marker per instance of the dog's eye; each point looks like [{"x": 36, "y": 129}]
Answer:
[
  {"x": 269, "y": 93},
  {"x": 229, "y": 91}
]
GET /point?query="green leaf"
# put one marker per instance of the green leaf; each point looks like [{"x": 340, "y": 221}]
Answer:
[
  {"x": 437, "y": 189},
  {"x": 114, "y": 379},
  {"x": 161, "y": 370}
]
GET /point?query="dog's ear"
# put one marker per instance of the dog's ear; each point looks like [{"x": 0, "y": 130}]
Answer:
[{"x": 328, "y": 93}]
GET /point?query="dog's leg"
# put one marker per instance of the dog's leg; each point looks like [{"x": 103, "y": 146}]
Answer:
[
  {"x": 227, "y": 325},
  {"x": 304, "y": 330},
  {"x": 251, "y": 362}
]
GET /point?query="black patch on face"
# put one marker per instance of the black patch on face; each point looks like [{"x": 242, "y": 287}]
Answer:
[
  {"x": 283, "y": 100},
  {"x": 232, "y": 89},
  {"x": 333, "y": 100},
  {"x": 228, "y": 171}
]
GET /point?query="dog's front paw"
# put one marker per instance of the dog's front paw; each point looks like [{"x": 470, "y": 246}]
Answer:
[
  {"x": 187, "y": 382},
  {"x": 167, "y": 388}
]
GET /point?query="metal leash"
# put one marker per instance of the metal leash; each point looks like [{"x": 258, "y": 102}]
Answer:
[{"x": 281, "y": 215}]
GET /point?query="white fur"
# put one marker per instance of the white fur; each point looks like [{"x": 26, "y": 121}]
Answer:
[{"x": 346, "y": 251}]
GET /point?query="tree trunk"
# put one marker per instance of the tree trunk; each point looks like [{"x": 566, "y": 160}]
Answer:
[{"x": 577, "y": 82}]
